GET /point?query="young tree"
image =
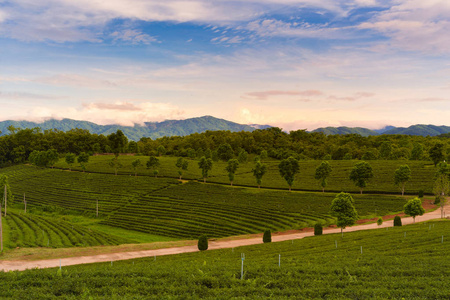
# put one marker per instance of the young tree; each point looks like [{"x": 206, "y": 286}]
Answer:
[
  {"x": 414, "y": 208},
  {"x": 323, "y": 171},
  {"x": 258, "y": 171},
  {"x": 205, "y": 164},
  {"x": 153, "y": 163},
  {"x": 182, "y": 165},
  {"x": 361, "y": 174},
  {"x": 70, "y": 160},
  {"x": 83, "y": 159},
  {"x": 231, "y": 168},
  {"x": 342, "y": 207},
  {"x": 115, "y": 164},
  {"x": 401, "y": 176},
  {"x": 4, "y": 181},
  {"x": 288, "y": 168},
  {"x": 441, "y": 186},
  {"x": 135, "y": 164},
  {"x": 380, "y": 221}
]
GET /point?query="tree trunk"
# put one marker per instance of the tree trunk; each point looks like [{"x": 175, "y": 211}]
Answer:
[
  {"x": 289, "y": 188},
  {"x": 403, "y": 190},
  {"x": 204, "y": 179},
  {"x": 323, "y": 190},
  {"x": 231, "y": 183},
  {"x": 361, "y": 191},
  {"x": 442, "y": 210},
  {"x": 259, "y": 187},
  {"x": 342, "y": 232},
  {"x": 414, "y": 219}
]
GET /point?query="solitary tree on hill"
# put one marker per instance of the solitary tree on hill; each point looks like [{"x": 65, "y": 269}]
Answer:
[
  {"x": 288, "y": 168},
  {"x": 135, "y": 164},
  {"x": 205, "y": 164},
  {"x": 401, "y": 176},
  {"x": 153, "y": 163},
  {"x": 442, "y": 184},
  {"x": 182, "y": 165},
  {"x": 323, "y": 171},
  {"x": 231, "y": 168},
  {"x": 414, "y": 208},
  {"x": 361, "y": 174},
  {"x": 115, "y": 164},
  {"x": 258, "y": 171},
  {"x": 342, "y": 207},
  {"x": 70, "y": 160}
]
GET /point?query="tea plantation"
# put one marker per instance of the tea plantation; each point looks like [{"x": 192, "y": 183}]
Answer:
[
  {"x": 28, "y": 230},
  {"x": 382, "y": 182},
  {"x": 164, "y": 207},
  {"x": 408, "y": 262}
]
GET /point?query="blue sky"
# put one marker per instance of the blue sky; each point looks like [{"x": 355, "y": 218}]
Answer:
[{"x": 293, "y": 64}]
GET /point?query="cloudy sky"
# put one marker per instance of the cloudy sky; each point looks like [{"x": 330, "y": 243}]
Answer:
[{"x": 296, "y": 64}]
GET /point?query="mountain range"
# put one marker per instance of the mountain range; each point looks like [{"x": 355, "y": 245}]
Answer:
[
  {"x": 156, "y": 130},
  {"x": 153, "y": 130}
]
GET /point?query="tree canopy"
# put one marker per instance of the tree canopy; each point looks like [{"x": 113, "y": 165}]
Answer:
[
  {"x": 401, "y": 176},
  {"x": 323, "y": 171},
  {"x": 414, "y": 208},
  {"x": 361, "y": 173},
  {"x": 288, "y": 169},
  {"x": 342, "y": 207}
]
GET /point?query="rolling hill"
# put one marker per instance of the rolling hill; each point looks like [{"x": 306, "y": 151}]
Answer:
[{"x": 149, "y": 129}]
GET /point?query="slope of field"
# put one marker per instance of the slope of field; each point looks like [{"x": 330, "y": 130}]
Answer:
[
  {"x": 422, "y": 173},
  {"x": 162, "y": 207},
  {"x": 78, "y": 191},
  {"x": 28, "y": 230},
  {"x": 192, "y": 209},
  {"x": 399, "y": 263}
]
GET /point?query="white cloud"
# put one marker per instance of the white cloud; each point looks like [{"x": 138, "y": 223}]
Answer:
[
  {"x": 122, "y": 113},
  {"x": 133, "y": 36},
  {"x": 415, "y": 25}
]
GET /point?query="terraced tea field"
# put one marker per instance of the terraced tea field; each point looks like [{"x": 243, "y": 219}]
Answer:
[
  {"x": 192, "y": 209},
  {"x": 409, "y": 262},
  {"x": 79, "y": 191},
  {"x": 27, "y": 230},
  {"x": 383, "y": 182}
]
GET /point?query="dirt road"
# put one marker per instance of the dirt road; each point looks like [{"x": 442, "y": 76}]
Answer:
[{"x": 51, "y": 263}]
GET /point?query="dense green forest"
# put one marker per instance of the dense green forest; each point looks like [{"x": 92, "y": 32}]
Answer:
[{"x": 273, "y": 142}]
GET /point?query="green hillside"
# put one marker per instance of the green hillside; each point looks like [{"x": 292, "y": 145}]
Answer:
[
  {"x": 423, "y": 130},
  {"x": 409, "y": 262},
  {"x": 346, "y": 130},
  {"x": 163, "y": 207}
]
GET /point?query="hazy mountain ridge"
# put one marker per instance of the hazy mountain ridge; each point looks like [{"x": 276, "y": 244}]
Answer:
[
  {"x": 201, "y": 124},
  {"x": 149, "y": 129},
  {"x": 419, "y": 129}
]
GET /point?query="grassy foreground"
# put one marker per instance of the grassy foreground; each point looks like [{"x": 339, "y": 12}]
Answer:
[{"x": 408, "y": 262}]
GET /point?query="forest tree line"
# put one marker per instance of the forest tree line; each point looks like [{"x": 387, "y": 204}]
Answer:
[{"x": 16, "y": 146}]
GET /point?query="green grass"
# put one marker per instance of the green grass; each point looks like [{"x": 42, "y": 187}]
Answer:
[
  {"x": 391, "y": 266},
  {"x": 383, "y": 181}
]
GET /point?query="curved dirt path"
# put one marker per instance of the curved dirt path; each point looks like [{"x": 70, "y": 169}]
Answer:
[{"x": 51, "y": 263}]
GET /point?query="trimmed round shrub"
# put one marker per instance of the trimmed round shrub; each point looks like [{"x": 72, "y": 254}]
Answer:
[
  {"x": 420, "y": 193},
  {"x": 397, "y": 221},
  {"x": 318, "y": 230},
  {"x": 267, "y": 237},
  {"x": 380, "y": 221},
  {"x": 203, "y": 243}
]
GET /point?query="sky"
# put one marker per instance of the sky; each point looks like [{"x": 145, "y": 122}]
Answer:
[{"x": 295, "y": 64}]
